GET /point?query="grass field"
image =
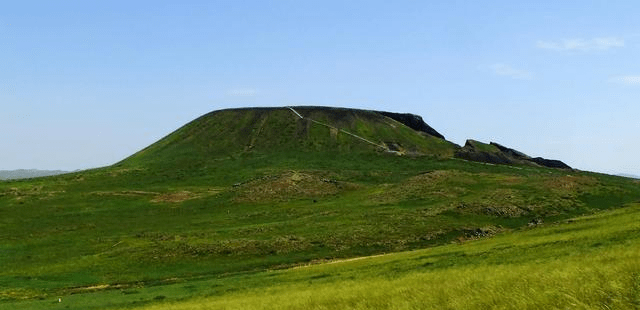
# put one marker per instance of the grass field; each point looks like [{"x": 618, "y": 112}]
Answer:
[
  {"x": 201, "y": 215},
  {"x": 590, "y": 262}
]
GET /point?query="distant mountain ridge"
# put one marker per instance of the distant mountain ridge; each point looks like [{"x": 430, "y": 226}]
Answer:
[{"x": 28, "y": 173}]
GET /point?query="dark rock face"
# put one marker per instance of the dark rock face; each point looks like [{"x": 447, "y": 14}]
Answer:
[
  {"x": 414, "y": 122},
  {"x": 551, "y": 163},
  {"x": 503, "y": 156},
  {"x": 471, "y": 152},
  {"x": 509, "y": 151}
]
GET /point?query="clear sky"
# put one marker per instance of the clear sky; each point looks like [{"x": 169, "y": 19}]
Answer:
[{"x": 87, "y": 83}]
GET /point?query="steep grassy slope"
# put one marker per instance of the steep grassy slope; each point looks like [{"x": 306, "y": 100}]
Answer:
[
  {"x": 236, "y": 132},
  {"x": 241, "y": 191}
]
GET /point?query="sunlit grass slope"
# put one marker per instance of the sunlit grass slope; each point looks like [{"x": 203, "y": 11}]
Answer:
[{"x": 591, "y": 262}]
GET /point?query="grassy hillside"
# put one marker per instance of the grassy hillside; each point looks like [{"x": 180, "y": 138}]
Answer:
[
  {"x": 242, "y": 191},
  {"x": 236, "y": 132},
  {"x": 589, "y": 262}
]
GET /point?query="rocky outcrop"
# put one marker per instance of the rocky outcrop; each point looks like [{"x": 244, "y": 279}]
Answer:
[
  {"x": 414, "y": 122},
  {"x": 495, "y": 153},
  {"x": 480, "y": 152},
  {"x": 551, "y": 163},
  {"x": 510, "y": 152}
]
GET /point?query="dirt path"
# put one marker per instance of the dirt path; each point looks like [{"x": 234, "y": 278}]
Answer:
[
  {"x": 342, "y": 130},
  {"x": 336, "y": 261}
]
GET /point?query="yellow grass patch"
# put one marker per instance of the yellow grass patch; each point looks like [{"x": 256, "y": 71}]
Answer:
[
  {"x": 293, "y": 184},
  {"x": 175, "y": 197}
]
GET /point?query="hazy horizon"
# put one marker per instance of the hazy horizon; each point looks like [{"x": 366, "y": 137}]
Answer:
[{"x": 85, "y": 84}]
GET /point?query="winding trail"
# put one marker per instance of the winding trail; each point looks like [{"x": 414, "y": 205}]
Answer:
[
  {"x": 384, "y": 147},
  {"x": 294, "y": 111},
  {"x": 337, "y": 261}
]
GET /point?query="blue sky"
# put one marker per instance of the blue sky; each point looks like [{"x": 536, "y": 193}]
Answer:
[{"x": 87, "y": 83}]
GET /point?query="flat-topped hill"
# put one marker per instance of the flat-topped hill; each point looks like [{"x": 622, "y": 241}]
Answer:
[
  {"x": 234, "y": 132},
  {"x": 239, "y": 191}
]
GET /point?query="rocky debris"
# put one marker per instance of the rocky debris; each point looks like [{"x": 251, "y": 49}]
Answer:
[
  {"x": 503, "y": 211},
  {"x": 414, "y": 122},
  {"x": 535, "y": 222},
  {"x": 480, "y": 232}
]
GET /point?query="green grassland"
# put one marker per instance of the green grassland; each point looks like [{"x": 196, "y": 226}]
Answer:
[
  {"x": 590, "y": 262},
  {"x": 223, "y": 206}
]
